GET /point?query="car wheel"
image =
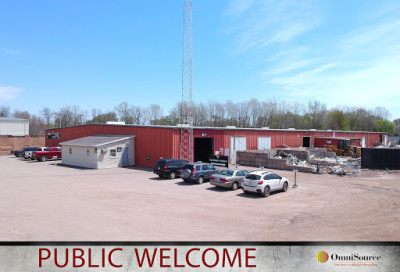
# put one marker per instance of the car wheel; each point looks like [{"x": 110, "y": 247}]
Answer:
[
  {"x": 266, "y": 192},
  {"x": 160, "y": 176},
  {"x": 285, "y": 187},
  {"x": 234, "y": 186},
  {"x": 185, "y": 180},
  {"x": 200, "y": 180},
  {"x": 172, "y": 175},
  {"x": 246, "y": 192},
  {"x": 43, "y": 158}
]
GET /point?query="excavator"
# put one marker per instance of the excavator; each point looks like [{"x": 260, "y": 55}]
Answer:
[{"x": 344, "y": 148}]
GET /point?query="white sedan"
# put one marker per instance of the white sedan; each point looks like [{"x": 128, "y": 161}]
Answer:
[{"x": 264, "y": 182}]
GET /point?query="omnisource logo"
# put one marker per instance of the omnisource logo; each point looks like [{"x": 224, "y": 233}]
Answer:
[{"x": 353, "y": 259}]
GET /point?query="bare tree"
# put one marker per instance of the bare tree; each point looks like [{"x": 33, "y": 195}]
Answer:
[
  {"x": 317, "y": 113},
  {"x": 37, "y": 126},
  {"x": 124, "y": 112},
  {"x": 139, "y": 115},
  {"x": 243, "y": 114},
  {"x": 220, "y": 112},
  {"x": 200, "y": 116},
  {"x": 95, "y": 113},
  {"x": 231, "y": 113},
  {"x": 215, "y": 114},
  {"x": 78, "y": 115},
  {"x": 155, "y": 114},
  {"x": 47, "y": 114},
  {"x": 382, "y": 113},
  {"x": 255, "y": 111},
  {"x": 69, "y": 116},
  {"x": 175, "y": 114},
  {"x": 4, "y": 111},
  {"x": 22, "y": 114}
]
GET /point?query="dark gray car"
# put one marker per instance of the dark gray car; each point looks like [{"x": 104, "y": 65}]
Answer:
[
  {"x": 198, "y": 172},
  {"x": 229, "y": 178}
]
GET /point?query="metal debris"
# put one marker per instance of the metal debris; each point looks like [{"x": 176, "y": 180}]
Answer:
[{"x": 291, "y": 159}]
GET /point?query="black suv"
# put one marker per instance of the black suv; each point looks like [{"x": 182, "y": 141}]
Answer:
[
  {"x": 198, "y": 171},
  {"x": 169, "y": 168},
  {"x": 18, "y": 153}
]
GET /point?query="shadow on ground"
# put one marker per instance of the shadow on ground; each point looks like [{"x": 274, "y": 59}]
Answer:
[
  {"x": 256, "y": 196},
  {"x": 219, "y": 189}
]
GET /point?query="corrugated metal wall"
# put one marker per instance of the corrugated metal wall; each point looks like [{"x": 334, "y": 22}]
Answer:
[{"x": 151, "y": 143}]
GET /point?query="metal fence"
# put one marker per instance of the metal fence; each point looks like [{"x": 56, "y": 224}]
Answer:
[{"x": 380, "y": 158}]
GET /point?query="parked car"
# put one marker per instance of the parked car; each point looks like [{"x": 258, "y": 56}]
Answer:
[
  {"x": 48, "y": 153},
  {"x": 197, "y": 172},
  {"x": 27, "y": 154},
  {"x": 18, "y": 153},
  {"x": 170, "y": 168},
  {"x": 229, "y": 178},
  {"x": 264, "y": 182}
]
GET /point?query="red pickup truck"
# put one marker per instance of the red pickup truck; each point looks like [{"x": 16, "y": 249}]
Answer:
[{"x": 48, "y": 153}]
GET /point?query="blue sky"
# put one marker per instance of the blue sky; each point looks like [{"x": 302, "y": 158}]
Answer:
[{"x": 96, "y": 54}]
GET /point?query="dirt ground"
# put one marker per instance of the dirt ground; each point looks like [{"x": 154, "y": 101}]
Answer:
[{"x": 45, "y": 202}]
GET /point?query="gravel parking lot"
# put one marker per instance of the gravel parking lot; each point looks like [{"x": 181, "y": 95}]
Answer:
[{"x": 45, "y": 202}]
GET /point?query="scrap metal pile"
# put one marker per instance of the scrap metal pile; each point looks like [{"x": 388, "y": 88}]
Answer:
[
  {"x": 291, "y": 159},
  {"x": 337, "y": 165},
  {"x": 341, "y": 165}
]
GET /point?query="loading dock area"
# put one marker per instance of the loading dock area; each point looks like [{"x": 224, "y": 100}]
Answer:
[
  {"x": 203, "y": 148},
  {"x": 132, "y": 204}
]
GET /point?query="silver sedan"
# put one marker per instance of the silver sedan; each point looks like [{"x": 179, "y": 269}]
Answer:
[{"x": 228, "y": 178}]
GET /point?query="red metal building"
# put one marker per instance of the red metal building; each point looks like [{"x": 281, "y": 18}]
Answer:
[{"x": 153, "y": 142}]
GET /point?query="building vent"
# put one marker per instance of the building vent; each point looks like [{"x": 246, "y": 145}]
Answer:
[
  {"x": 291, "y": 128},
  {"x": 230, "y": 126},
  {"x": 182, "y": 125},
  {"x": 265, "y": 128},
  {"x": 115, "y": 123},
  {"x": 312, "y": 129}
]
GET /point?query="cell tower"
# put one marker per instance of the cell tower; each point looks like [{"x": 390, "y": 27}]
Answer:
[{"x": 186, "y": 148}]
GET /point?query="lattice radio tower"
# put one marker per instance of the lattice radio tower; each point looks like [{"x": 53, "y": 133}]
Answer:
[{"x": 186, "y": 148}]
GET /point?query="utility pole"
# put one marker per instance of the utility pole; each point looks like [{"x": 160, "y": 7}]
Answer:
[{"x": 186, "y": 147}]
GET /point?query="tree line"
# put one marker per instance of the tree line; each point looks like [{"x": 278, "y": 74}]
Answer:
[{"x": 247, "y": 114}]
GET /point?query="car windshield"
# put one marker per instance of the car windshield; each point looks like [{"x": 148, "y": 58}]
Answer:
[
  {"x": 188, "y": 166},
  {"x": 225, "y": 172},
  {"x": 253, "y": 177}
]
